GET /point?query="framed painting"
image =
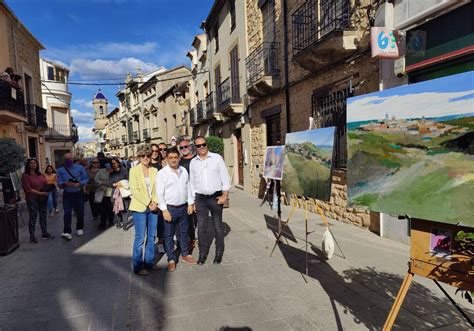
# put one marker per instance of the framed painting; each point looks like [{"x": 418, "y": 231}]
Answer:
[{"x": 273, "y": 166}]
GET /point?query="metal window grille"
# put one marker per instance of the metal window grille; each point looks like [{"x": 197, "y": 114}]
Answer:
[{"x": 329, "y": 109}]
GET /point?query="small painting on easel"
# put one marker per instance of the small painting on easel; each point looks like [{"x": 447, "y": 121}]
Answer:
[
  {"x": 274, "y": 156},
  {"x": 440, "y": 242}
]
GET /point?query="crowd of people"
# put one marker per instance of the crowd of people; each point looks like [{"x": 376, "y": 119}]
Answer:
[{"x": 168, "y": 191}]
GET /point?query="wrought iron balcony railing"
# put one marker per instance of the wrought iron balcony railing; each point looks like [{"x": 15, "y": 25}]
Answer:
[
  {"x": 11, "y": 99},
  {"x": 135, "y": 136},
  {"x": 61, "y": 132},
  {"x": 36, "y": 116},
  {"x": 192, "y": 116},
  {"x": 200, "y": 111},
  {"x": 210, "y": 105},
  {"x": 263, "y": 61},
  {"x": 146, "y": 134},
  {"x": 124, "y": 139},
  {"x": 308, "y": 30},
  {"x": 228, "y": 93}
]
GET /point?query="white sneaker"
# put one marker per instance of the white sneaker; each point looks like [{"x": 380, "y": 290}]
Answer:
[
  {"x": 66, "y": 236},
  {"x": 80, "y": 232}
]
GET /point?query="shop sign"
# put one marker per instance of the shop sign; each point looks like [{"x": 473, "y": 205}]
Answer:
[{"x": 383, "y": 42}]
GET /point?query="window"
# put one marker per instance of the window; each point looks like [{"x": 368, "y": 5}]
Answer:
[
  {"x": 329, "y": 109},
  {"x": 232, "y": 14},
  {"x": 101, "y": 110},
  {"x": 268, "y": 18},
  {"x": 216, "y": 37},
  {"x": 50, "y": 73},
  {"x": 273, "y": 130}
]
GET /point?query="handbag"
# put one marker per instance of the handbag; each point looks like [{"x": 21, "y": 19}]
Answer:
[{"x": 98, "y": 196}]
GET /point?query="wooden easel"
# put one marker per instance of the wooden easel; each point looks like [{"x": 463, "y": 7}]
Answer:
[{"x": 456, "y": 272}]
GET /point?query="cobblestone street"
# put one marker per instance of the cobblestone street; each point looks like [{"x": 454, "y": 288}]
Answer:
[{"x": 87, "y": 284}]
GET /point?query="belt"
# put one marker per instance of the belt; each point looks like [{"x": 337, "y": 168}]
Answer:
[
  {"x": 213, "y": 195},
  {"x": 177, "y": 206}
]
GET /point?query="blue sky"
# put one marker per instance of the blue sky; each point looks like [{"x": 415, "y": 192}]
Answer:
[
  {"x": 451, "y": 95},
  {"x": 319, "y": 137},
  {"x": 99, "y": 40}
]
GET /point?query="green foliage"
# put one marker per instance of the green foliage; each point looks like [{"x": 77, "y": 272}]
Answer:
[
  {"x": 366, "y": 199},
  {"x": 12, "y": 156},
  {"x": 215, "y": 145}
]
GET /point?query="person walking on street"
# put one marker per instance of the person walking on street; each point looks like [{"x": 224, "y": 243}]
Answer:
[
  {"x": 51, "y": 178},
  {"x": 176, "y": 203},
  {"x": 144, "y": 203},
  {"x": 157, "y": 163},
  {"x": 210, "y": 185},
  {"x": 36, "y": 194},
  {"x": 109, "y": 180},
  {"x": 187, "y": 155},
  {"x": 91, "y": 188},
  {"x": 72, "y": 178}
]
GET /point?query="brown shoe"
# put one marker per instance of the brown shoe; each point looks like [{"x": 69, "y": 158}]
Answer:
[
  {"x": 171, "y": 266},
  {"x": 192, "y": 244},
  {"x": 188, "y": 259},
  {"x": 143, "y": 272}
]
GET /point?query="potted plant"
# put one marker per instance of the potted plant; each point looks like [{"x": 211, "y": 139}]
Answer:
[{"x": 12, "y": 156}]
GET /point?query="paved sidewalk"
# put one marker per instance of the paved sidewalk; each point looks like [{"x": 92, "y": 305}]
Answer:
[{"x": 87, "y": 284}]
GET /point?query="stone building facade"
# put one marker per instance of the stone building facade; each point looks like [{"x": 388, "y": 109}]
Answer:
[
  {"x": 326, "y": 59},
  {"x": 22, "y": 116}
]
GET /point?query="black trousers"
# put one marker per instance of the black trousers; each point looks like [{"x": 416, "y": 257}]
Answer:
[
  {"x": 37, "y": 207},
  {"x": 95, "y": 207},
  {"x": 106, "y": 212},
  {"x": 204, "y": 206}
]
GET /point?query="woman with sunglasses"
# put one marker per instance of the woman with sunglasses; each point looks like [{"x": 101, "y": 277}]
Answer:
[
  {"x": 51, "y": 178},
  {"x": 157, "y": 163},
  {"x": 144, "y": 203},
  {"x": 33, "y": 182},
  {"x": 91, "y": 188}
]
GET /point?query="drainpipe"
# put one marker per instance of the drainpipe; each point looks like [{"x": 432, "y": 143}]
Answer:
[{"x": 285, "y": 60}]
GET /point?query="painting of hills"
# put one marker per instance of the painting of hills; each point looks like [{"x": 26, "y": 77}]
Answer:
[
  {"x": 411, "y": 150},
  {"x": 308, "y": 162}
]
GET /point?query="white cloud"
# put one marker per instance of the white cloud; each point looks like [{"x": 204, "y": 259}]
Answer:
[
  {"x": 428, "y": 104},
  {"x": 85, "y": 133},
  {"x": 83, "y": 103},
  {"x": 82, "y": 118},
  {"x": 111, "y": 50},
  {"x": 97, "y": 69}
]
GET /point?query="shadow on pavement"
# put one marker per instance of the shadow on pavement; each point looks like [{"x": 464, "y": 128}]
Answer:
[
  {"x": 272, "y": 224},
  {"x": 367, "y": 294}
]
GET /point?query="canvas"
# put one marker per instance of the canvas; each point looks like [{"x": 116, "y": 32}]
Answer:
[
  {"x": 411, "y": 150},
  {"x": 308, "y": 163},
  {"x": 274, "y": 156}
]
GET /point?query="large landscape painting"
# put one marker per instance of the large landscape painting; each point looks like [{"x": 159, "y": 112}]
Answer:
[
  {"x": 308, "y": 162},
  {"x": 411, "y": 150}
]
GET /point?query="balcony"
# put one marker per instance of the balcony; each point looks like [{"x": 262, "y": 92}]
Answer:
[
  {"x": 200, "y": 116},
  {"x": 115, "y": 143},
  {"x": 262, "y": 70},
  {"x": 124, "y": 139},
  {"x": 228, "y": 100},
  {"x": 320, "y": 42},
  {"x": 146, "y": 134},
  {"x": 61, "y": 133},
  {"x": 36, "y": 117},
  {"x": 211, "y": 113},
  {"x": 192, "y": 117},
  {"x": 12, "y": 104},
  {"x": 135, "y": 137}
]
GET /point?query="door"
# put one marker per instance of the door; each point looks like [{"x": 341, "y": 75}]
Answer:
[
  {"x": 240, "y": 156},
  {"x": 234, "y": 75},
  {"x": 217, "y": 82},
  {"x": 273, "y": 130}
]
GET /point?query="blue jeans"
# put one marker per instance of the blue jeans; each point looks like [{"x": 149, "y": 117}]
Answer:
[
  {"x": 180, "y": 217},
  {"x": 52, "y": 201},
  {"x": 161, "y": 226},
  {"x": 145, "y": 228},
  {"x": 73, "y": 200}
]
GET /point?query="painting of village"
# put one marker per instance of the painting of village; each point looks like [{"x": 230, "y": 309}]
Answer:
[
  {"x": 308, "y": 162},
  {"x": 411, "y": 150},
  {"x": 274, "y": 156}
]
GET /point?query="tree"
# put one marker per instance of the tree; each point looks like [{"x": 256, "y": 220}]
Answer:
[
  {"x": 12, "y": 156},
  {"x": 215, "y": 145}
]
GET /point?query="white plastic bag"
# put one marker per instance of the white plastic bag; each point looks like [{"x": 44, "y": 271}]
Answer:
[{"x": 328, "y": 244}]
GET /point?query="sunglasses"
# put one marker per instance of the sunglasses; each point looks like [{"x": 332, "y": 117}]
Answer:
[
  {"x": 163, "y": 149},
  {"x": 201, "y": 145},
  {"x": 144, "y": 156},
  {"x": 183, "y": 147},
  {"x": 155, "y": 150}
]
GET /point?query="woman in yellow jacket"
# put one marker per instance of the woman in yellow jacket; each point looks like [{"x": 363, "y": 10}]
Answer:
[{"x": 144, "y": 202}]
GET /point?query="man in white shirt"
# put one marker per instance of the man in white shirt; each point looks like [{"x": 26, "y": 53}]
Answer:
[
  {"x": 210, "y": 185},
  {"x": 176, "y": 201}
]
